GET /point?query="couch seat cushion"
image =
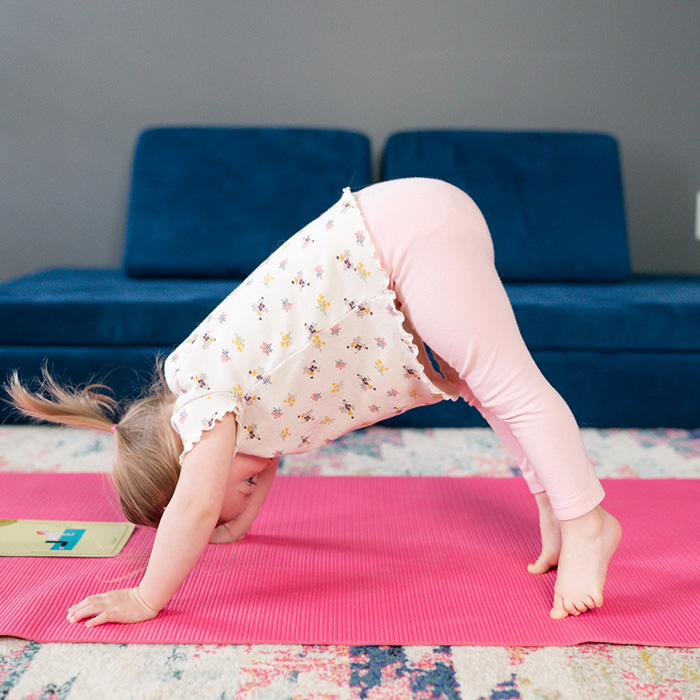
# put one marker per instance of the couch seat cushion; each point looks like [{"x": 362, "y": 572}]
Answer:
[
  {"x": 642, "y": 314},
  {"x": 107, "y": 308},
  {"x": 104, "y": 307}
]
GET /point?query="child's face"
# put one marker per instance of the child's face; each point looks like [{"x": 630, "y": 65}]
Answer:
[{"x": 243, "y": 479}]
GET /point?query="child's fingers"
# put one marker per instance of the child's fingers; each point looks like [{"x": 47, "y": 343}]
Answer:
[
  {"x": 114, "y": 606},
  {"x": 85, "y": 608},
  {"x": 76, "y": 606},
  {"x": 89, "y": 607},
  {"x": 82, "y": 603},
  {"x": 100, "y": 619}
]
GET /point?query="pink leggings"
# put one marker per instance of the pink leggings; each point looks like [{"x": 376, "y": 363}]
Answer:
[{"x": 434, "y": 243}]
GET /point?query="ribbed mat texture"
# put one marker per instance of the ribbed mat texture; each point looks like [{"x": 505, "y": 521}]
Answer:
[{"x": 371, "y": 560}]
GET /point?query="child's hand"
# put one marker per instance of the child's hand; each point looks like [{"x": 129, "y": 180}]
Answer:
[
  {"x": 227, "y": 532},
  {"x": 123, "y": 605}
]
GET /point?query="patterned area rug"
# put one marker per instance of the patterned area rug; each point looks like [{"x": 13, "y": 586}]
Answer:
[{"x": 75, "y": 671}]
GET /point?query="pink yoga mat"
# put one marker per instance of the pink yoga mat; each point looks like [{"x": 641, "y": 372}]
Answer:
[{"x": 371, "y": 560}]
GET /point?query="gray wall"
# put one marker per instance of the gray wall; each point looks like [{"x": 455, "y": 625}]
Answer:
[{"x": 80, "y": 78}]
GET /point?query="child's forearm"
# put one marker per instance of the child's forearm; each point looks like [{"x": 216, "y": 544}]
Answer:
[
  {"x": 181, "y": 538},
  {"x": 182, "y": 535},
  {"x": 191, "y": 515}
]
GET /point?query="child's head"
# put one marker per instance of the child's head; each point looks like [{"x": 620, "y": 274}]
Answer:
[
  {"x": 147, "y": 457},
  {"x": 147, "y": 449}
]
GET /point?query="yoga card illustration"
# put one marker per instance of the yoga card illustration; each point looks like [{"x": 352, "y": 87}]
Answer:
[{"x": 57, "y": 538}]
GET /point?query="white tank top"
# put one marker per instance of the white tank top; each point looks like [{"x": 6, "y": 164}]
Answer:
[{"x": 309, "y": 347}]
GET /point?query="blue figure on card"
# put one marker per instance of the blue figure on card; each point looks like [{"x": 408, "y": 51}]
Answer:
[{"x": 63, "y": 541}]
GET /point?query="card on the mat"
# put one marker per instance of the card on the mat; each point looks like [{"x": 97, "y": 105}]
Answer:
[{"x": 58, "y": 538}]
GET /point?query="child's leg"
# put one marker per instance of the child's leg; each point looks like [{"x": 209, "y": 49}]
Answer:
[
  {"x": 550, "y": 526},
  {"x": 497, "y": 425},
  {"x": 436, "y": 247}
]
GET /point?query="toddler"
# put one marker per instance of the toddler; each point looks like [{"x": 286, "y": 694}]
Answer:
[{"x": 326, "y": 336}]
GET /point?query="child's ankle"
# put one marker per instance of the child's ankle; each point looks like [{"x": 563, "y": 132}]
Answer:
[{"x": 590, "y": 523}]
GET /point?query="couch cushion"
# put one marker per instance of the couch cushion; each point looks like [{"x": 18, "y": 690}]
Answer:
[
  {"x": 634, "y": 389},
  {"x": 553, "y": 201},
  {"x": 105, "y": 307},
  {"x": 642, "y": 314},
  {"x": 603, "y": 389},
  {"x": 215, "y": 202}
]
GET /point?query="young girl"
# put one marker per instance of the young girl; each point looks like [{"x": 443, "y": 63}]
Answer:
[{"x": 326, "y": 336}]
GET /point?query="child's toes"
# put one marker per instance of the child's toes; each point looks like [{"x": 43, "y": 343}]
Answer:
[
  {"x": 571, "y": 608},
  {"x": 542, "y": 565},
  {"x": 564, "y": 607},
  {"x": 558, "y": 612},
  {"x": 593, "y": 601},
  {"x": 580, "y": 606},
  {"x": 587, "y": 603},
  {"x": 537, "y": 567}
]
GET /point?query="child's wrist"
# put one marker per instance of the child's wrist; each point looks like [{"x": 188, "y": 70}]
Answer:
[{"x": 142, "y": 602}]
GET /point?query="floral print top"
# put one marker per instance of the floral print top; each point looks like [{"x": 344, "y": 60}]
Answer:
[{"x": 309, "y": 347}]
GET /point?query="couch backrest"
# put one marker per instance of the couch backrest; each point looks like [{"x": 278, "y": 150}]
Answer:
[
  {"x": 215, "y": 202},
  {"x": 553, "y": 201}
]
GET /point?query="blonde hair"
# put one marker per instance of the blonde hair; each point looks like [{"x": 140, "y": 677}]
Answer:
[{"x": 147, "y": 449}]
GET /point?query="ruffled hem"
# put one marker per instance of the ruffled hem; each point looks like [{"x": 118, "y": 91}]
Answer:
[
  {"x": 411, "y": 342},
  {"x": 221, "y": 403}
]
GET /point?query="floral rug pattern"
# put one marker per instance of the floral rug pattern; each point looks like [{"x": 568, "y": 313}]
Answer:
[{"x": 33, "y": 671}]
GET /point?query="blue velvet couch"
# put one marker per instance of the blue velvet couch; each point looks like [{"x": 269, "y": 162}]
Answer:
[{"x": 208, "y": 204}]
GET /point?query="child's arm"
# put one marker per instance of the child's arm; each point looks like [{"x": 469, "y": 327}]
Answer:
[
  {"x": 183, "y": 533},
  {"x": 236, "y": 528}
]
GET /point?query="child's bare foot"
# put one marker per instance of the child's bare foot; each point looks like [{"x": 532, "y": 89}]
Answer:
[
  {"x": 588, "y": 544},
  {"x": 550, "y": 530}
]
